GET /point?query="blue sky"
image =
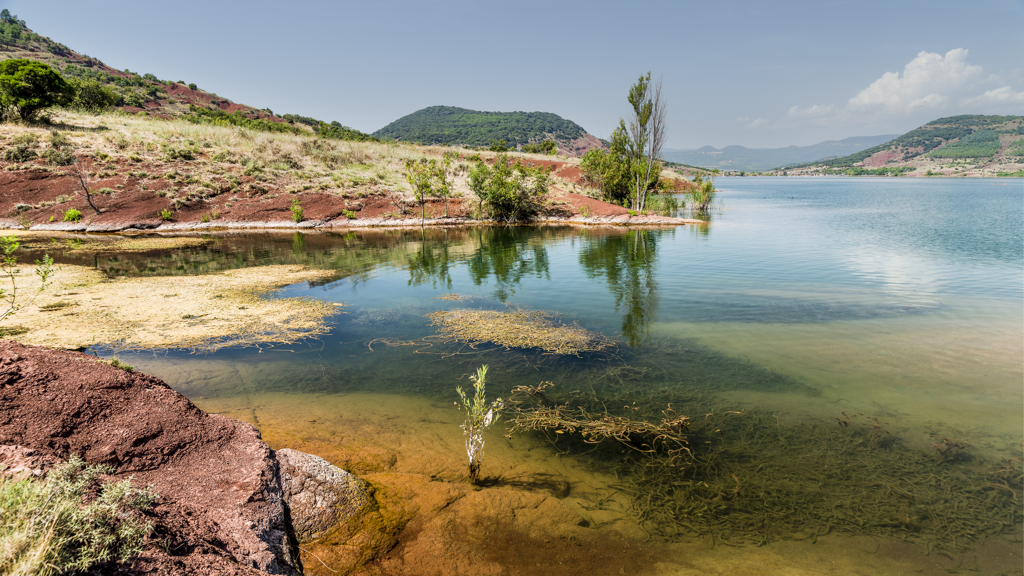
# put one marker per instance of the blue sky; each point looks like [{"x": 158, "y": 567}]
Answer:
[{"x": 761, "y": 74}]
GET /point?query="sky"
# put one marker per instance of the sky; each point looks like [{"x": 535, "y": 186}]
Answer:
[{"x": 759, "y": 74}]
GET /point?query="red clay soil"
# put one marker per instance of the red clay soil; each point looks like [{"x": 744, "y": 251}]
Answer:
[
  {"x": 882, "y": 158},
  {"x": 220, "y": 509}
]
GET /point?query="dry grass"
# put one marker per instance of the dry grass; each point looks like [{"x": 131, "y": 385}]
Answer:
[
  {"x": 208, "y": 312},
  {"x": 278, "y": 162},
  {"x": 517, "y": 328}
]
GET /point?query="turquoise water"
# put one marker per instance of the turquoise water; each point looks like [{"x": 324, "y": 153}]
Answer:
[{"x": 804, "y": 300}]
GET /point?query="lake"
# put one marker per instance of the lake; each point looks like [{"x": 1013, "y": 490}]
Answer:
[{"x": 848, "y": 353}]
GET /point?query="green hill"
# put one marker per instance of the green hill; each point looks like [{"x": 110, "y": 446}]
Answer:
[
  {"x": 972, "y": 139},
  {"x": 146, "y": 93},
  {"x": 451, "y": 125}
]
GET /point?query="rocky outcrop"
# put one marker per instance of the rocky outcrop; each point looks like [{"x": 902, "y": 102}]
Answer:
[
  {"x": 319, "y": 495},
  {"x": 220, "y": 509}
]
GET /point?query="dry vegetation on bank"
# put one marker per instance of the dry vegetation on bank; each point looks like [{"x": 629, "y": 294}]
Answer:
[{"x": 140, "y": 166}]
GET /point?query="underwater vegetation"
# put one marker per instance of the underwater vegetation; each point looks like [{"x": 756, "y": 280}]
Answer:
[{"x": 747, "y": 477}]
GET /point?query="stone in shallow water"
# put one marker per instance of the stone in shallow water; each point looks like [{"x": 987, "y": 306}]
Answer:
[{"x": 319, "y": 495}]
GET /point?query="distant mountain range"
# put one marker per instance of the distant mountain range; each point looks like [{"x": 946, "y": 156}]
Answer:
[
  {"x": 459, "y": 126},
  {"x": 759, "y": 159},
  {"x": 957, "y": 145}
]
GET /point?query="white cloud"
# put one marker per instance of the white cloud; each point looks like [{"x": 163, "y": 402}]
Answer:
[
  {"x": 814, "y": 111},
  {"x": 930, "y": 86},
  {"x": 927, "y": 81},
  {"x": 1004, "y": 95}
]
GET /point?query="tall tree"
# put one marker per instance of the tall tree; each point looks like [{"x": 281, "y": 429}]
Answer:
[{"x": 646, "y": 130}]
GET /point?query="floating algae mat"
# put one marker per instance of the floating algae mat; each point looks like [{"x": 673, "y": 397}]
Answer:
[{"x": 517, "y": 328}]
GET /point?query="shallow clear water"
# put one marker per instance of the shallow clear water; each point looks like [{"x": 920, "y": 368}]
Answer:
[{"x": 807, "y": 301}]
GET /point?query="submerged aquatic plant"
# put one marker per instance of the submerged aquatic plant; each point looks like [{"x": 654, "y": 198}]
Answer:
[{"x": 479, "y": 417}]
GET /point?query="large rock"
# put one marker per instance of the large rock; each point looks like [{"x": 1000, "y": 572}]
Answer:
[
  {"x": 220, "y": 509},
  {"x": 319, "y": 495}
]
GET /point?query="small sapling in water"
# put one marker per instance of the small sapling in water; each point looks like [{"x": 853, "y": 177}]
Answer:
[{"x": 479, "y": 417}]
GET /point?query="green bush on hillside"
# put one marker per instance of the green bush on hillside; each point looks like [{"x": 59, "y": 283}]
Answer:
[
  {"x": 27, "y": 87},
  {"x": 510, "y": 193},
  {"x": 93, "y": 96},
  {"x": 1016, "y": 149},
  {"x": 545, "y": 147},
  {"x": 981, "y": 144}
]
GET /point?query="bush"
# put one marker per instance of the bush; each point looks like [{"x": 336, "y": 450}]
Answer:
[
  {"x": 19, "y": 153},
  {"x": 703, "y": 194},
  {"x": 60, "y": 156},
  {"x": 510, "y": 193},
  {"x": 46, "y": 529},
  {"x": 498, "y": 146},
  {"x": 296, "y": 210},
  {"x": 545, "y": 147},
  {"x": 93, "y": 96},
  {"x": 27, "y": 87},
  {"x": 166, "y": 215},
  {"x": 172, "y": 153},
  {"x": 72, "y": 215},
  {"x": 192, "y": 86}
]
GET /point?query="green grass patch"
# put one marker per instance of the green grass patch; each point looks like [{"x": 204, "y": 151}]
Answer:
[{"x": 51, "y": 527}]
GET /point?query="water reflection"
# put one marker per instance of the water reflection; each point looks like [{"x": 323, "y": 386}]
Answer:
[
  {"x": 509, "y": 254},
  {"x": 627, "y": 261},
  {"x": 431, "y": 262}
]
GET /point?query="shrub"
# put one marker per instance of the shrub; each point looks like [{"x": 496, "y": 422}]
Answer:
[
  {"x": 510, "y": 193},
  {"x": 72, "y": 215},
  {"x": 92, "y": 96},
  {"x": 118, "y": 364},
  {"x": 349, "y": 214},
  {"x": 296, "y": 210},
  {"x": 498, "y": 146},
  {"x": 47, "y": 530},
  {"x": 60, "y": 156},
  {"x": 480, "y": 415},
  {"x": 192, "y": 86},
  {"x": 172, "y": 152},
  {"x": 166, "y": 215},
  {"x": 19, "y": 153},
  {"x": 703, "y": 194},
  {"x": 545, "y": 147}
]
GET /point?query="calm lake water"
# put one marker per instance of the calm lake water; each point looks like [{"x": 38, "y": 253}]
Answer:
[{"x": 849, "y": 353}]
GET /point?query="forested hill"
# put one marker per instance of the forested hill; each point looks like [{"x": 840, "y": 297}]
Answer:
[
  {"x": 135, "y": 92},
  {"x": 451, "y": 125},
  {"x": 956, "y": 143}
]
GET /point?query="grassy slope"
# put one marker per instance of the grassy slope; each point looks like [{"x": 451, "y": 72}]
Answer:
[
  {"x": 235, "y": 173},
  {"x": 450, "y": 125},
  {"x": 146, "y": 93},
  {"x": 957, "y": 145}
]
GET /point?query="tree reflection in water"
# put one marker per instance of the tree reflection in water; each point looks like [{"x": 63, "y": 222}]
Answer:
[
  {"x": 627, "y": 263},
  {"x": 509, "y": 254}
]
